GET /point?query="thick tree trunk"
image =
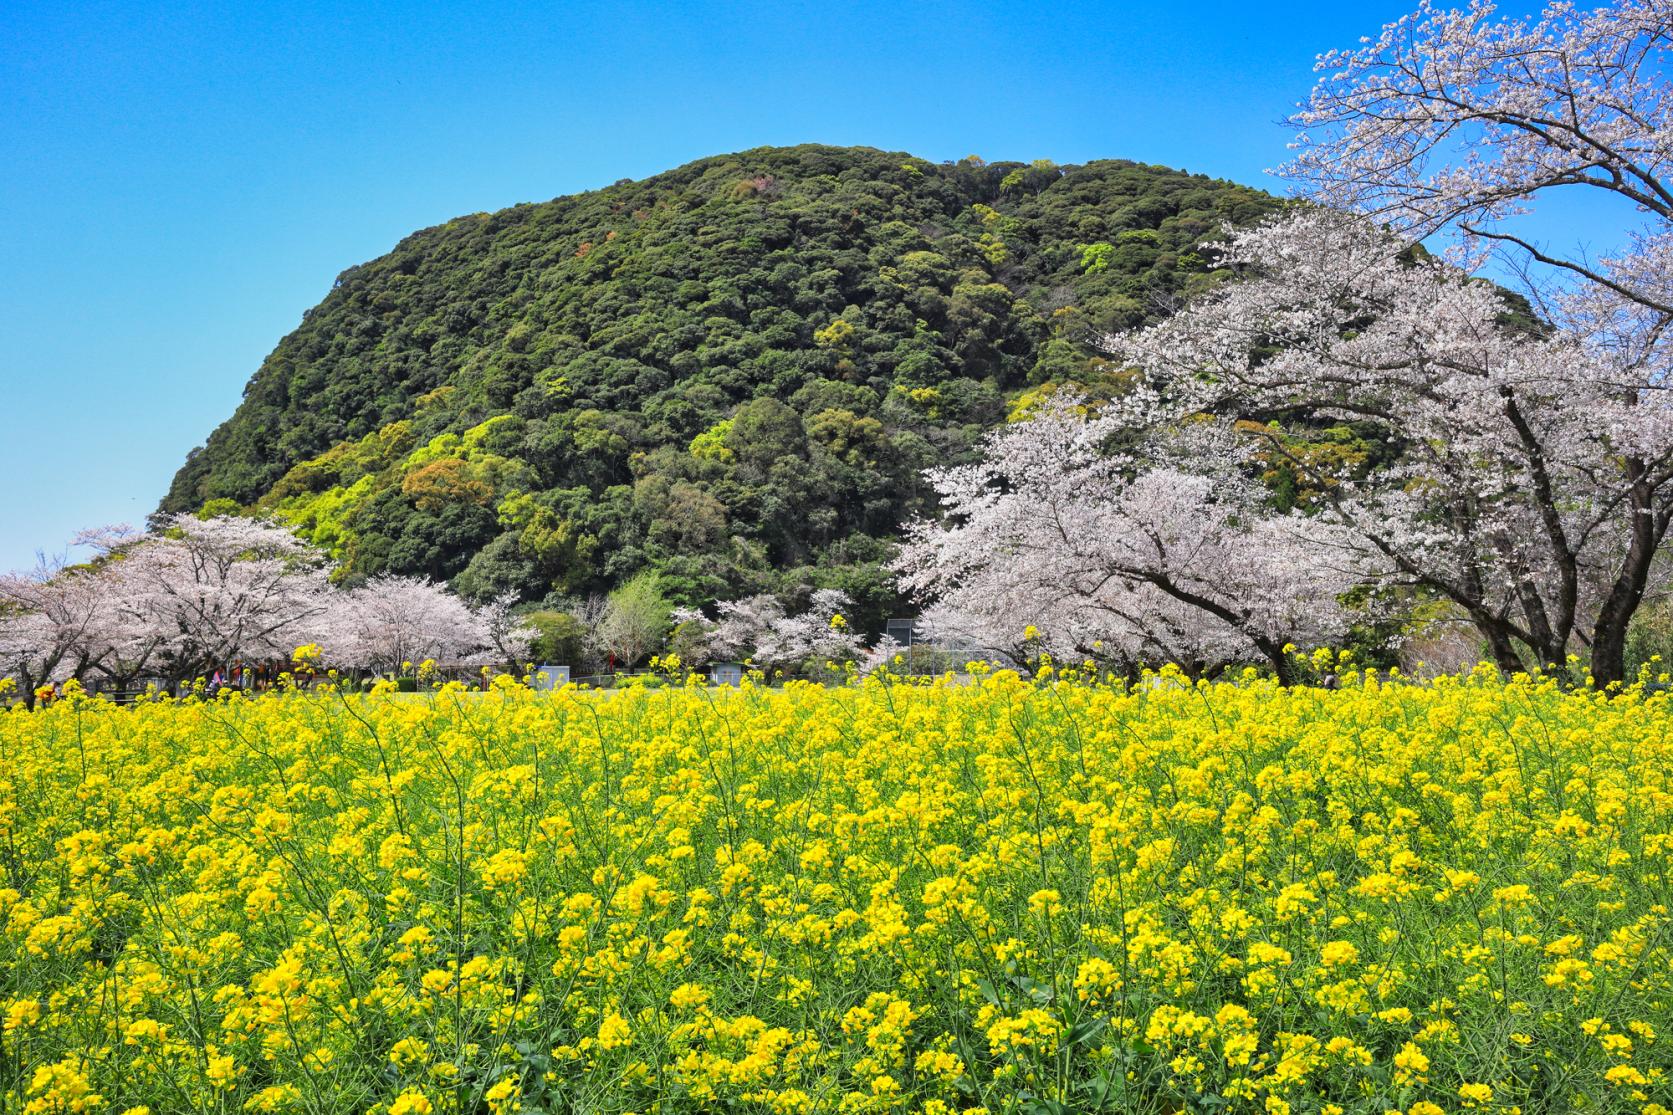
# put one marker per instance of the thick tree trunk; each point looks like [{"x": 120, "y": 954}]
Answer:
[
  {"x": 1282, "y": 667},
  {"x": 1550, "y": 650},
  {"x": 1504, "y": 650},
  {"x": 1609, "y": 653},
  {"x": 1609, "y": 634}
]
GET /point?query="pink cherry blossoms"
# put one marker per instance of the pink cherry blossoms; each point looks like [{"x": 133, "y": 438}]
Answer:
[
  {"x": 1528, "y": 476},
  {"x": 1124, "y": 538}
]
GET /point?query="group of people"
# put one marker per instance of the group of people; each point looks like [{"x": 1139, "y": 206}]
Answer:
[
  {"x": 240, "y": 675},
  {"x": 258, "y": 677}
]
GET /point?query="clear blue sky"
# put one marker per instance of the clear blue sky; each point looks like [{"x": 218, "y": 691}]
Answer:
[{"x": 179, "y": 182}]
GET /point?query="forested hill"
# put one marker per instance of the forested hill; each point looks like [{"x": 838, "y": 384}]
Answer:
[{"x": 731, "y": 374}]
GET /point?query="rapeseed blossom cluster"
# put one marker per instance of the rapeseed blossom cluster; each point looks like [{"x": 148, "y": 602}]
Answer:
[{"x": 1009, "y": 896}]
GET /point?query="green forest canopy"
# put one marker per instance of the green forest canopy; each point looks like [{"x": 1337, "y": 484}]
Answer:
[{"x": 730, "y": 374}]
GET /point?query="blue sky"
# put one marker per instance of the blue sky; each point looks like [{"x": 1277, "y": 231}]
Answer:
[{"x": 179, "y": 182}]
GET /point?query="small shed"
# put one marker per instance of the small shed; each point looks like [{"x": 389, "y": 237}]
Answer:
[{"x": 550, "y": 677}]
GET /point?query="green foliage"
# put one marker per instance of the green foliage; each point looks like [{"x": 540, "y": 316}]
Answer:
[
  {"x": 560, "y": 638},
  {"x": 1096, "y": 257},
  {"x": 636, "y": 620},
  {"x": 834, "y": 335},
  {"x": 710, "y": 445},
  {"x": 722, "y": 375},
  {"x": 1650, "y": 642}
]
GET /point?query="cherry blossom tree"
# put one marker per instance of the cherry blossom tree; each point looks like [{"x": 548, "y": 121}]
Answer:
[
  {"x": 1529, "y": 477},
  {"x": 392, "y": 621},
  {"x": 1465, "y": 120},
  {"x": 508, "y": 637},
  {"x": 942, "y": 625},
  {"x": 197, "y": 595},
  {"x": 126, "y": 641},
  {"x": 819, "y": 633},
  {"x": 759, "y": 629},
  {"x": 191, "y": 597},
  {"x": 1129, "y": 539},
  {"x": 884, "y": 654},
  {"x": 53, "y": 625}
]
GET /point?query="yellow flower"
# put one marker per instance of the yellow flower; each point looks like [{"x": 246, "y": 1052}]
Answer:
[
  {"x": 614, "y": 1032},
  {"x": 939, "y": 1063},
  {"x": 501, "y": 1092},
  {"x": 411, "y": 1102},
  {"x": 1338, "y": 953},
  {"x": 1031, "y": 1029},
  {"x": 222, "y": 1070},
  {"x": 21, "y": 1013},
  {"x": 809, "y": 897},
  {"x": 1475, "y": 1095},
  {"x": 409, "y": 1051},
  {"x": 504, "y": 868},
  {"x": 62, "y": 1087},
  {"x": 1625, "y": 1074},
  {"x": 1045, "y": 903},
  {"x": 1411, "y": 1061},
  {"x": 1096, "y": 979}
]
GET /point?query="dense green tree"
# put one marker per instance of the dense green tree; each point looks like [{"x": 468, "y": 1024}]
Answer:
[
  {"x": 636, "y": 619},
  {"x": 560, "y": 638},
  {"x": 763, "y": 432}
]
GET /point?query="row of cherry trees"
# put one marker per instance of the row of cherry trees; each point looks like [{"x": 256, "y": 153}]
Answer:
[
  {"x": 199, "y": 595},
  {"x": 1523, "y": 469},
  {"x": 195, "y": 596}
]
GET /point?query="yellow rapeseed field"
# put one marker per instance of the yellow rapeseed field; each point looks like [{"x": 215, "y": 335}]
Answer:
[{"x": 1019, "y": 896}]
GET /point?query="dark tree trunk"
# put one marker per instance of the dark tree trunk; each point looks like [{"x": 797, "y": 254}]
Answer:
[
  {"x": 1282, "y": 667},
  {"x": 1504, "y": 650},
  {"x": 1550, "y": 650},
  {"x": 1609, "y": 634}
]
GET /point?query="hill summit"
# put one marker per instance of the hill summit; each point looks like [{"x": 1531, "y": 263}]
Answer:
[{"x": 730, "y": 374}]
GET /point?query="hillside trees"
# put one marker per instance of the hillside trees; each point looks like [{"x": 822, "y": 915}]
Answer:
[{"x": 731, "y": 375}]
